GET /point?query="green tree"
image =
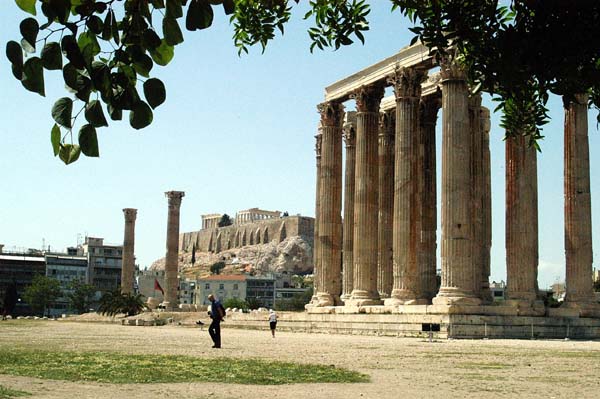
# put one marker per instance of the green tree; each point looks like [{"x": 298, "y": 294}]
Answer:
[
  {"x": 225, "y": 221},
  {"x": 42, "y": 293},
  {"x": 216, "y": 267},
  {"x": 10, "y": 298},
  {"x": 81, "y": 296},
  {"x": 519, "y": 52},
  {"x": 296, "y": 302}
]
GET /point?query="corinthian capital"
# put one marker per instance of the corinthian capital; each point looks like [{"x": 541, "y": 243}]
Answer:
[
  {"x": 349, "y": 129},
  {"x": 407, "y": 82},
  {"x": 368, "y": 97},
  {"x": 450, "y": 69},
  {"x": 318, "y": 141},
  {"x": 130, "y": 214},
  {"x": 331, "y": 113},
  {"x": 175, "y": 197}
]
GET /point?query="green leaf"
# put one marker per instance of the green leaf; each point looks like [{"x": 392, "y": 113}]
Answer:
[
  {"x": 69, "y": 153},
  {"x": 55, "y": 139},
  {"x": 72, "y": 52},
  {"x": 27, "y": 5},
  {"x": 88, "y": 141},
  {"x": 116, "y": 114},
  {"x": 95, "y": 115},
  {"x": 33, "y": 76},
  {"x": 61, "y": 111},
  {"x": 95, "y": 24},
  {"x": 143, "y": 65},
  {"x": 163, "y": 54},
  {"x": 140, "y": 116},
  {"x": 107, "y": 27},
  {"x": 199, "y": 16},
  {"x": 174, "y": 9},
  {"x": 154, "y": 91},
  {"x": 171, "y": 31},
  {"x": 229, "y": 7},
  {"x": 14, "y": 53},
  {"x": 52, "y": 56},
  {"x": 30, "y": 28}
]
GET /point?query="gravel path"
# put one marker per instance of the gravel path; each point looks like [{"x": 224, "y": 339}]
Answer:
[{"x": 398, "y": 367}]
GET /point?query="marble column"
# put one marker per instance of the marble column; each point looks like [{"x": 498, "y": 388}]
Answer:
[
  {"x": 521, "y": 221},
  {"x": 330, "y": 207},
  {"x": 578, "y": 210},
  {"x": 458, "y": 277},
  {"x": 427, "y": 263},
  {"x": 387, "y": 132},
  {"x": 128, "y": 262},
  {"x": 364, "y": 291},
  {"x": 406, "y": 226},
  {"x": 171, "y": 258},
  {"x": 316, "y": 257},
  {"x": 348, "y": 225},
  {"x": 486, "y": 203}
]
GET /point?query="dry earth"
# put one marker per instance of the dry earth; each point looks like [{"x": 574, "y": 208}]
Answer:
[{"x": 398, "y": 367}]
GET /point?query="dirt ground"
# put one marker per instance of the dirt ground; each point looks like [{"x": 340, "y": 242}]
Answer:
[{"x": 398, "y": 367}]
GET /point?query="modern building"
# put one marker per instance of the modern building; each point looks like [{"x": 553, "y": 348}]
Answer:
[
  {"x": 187, "y": 291},
  {"x": 105, "y": 262},
  {"x": 498, "y": 290},
  {"x": 65, "y": 269},
  {"x": 147, "y": 283},
  {"x": 261, "y": 289},
  {"x": 223, "y": 286},
  {"x": 19, "y": 267}
]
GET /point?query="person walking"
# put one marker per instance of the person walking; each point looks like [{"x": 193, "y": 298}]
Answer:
[
  {"x": 272, "y": 321},
  {"x": 217, "y": 313}
]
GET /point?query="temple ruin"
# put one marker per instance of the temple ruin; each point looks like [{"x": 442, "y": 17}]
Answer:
[{"x": 381, "y": 257}]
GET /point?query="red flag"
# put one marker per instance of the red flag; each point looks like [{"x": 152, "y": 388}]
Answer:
[{"x": 158, "y": 287}]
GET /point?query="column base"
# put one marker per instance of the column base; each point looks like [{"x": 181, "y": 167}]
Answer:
[
  {"x": 363, "y": 298},
  {"x": 323, "y": 299},
  {"x": 486, "y": 296},
  {"x": 455, "y": 296},
  {"x": 393, "y": 301},
  {"x": 384, "y": 295},
  {"x": 587, "y": 308},
  {"x": 527, "y": 307}
]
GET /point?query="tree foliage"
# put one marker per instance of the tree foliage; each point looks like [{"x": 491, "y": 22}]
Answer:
[
  {"x": 115, "y": 302},
  {"x": 42, "y": 293},
  {"x": 81, "y": 296},
  {"x": 231, "y": 303},
  {"x": 225, "y": 221},
  {"x": 216, "y": 267},
  {"x": 10, "y": 298},
  {"x": 106, "y": 49}
]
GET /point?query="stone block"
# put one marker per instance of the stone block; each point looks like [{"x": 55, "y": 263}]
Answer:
[{"x": 563, "y": 312}]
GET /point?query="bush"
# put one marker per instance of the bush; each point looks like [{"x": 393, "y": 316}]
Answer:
[
  {"x": 42, "y": 293},
  {"x": 217, "y": 267},
  {"x": 294, "y": 303},
  {"x": 235, "y": 303},
  {"x": 114, "y": 302}
]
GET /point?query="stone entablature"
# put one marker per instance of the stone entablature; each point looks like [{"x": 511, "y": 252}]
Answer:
[
  {"x": 257, "y": 232},
  {"x": 253, "y": 215}
]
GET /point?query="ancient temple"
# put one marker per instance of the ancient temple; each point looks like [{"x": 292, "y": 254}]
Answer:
[{"x": 383, "y": 251}]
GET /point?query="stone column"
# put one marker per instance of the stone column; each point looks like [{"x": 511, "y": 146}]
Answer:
[
  {"x": 348, "y": 225},
  {"x": 171, "y": 258},
  {"x": 521, "y": 222},
  {"x": 427, "y": 264},
  {"x": 407, "y": 288},
  {"x": 330, "y": 207},
  {"x": 458, "y": 277},
  {"x": 387, "y": 132},
  {"x": 578, "y": 210},
  {"x": 128, "y": 262},
  {"x": 486, "y": 200},
  {"x": 316, "y": 255},
  {"x": 364, "y": 291}
]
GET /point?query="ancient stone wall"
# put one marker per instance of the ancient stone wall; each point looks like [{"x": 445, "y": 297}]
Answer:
[{"x": 237, "y": 236}]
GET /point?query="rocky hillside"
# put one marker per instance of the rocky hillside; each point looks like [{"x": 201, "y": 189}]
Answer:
[{"x": 293, "y": 255}]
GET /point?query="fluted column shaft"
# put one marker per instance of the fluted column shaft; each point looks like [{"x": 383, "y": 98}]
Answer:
[
  {"x": 521, "y": 220},
  {"x": 407, "y": 216},
  {"x": 387, "y": 132},
  {"x": 486, "y": 200},
  {"x": 316, "y": 254},
  {"x": 171, "y": 258},
  {"x": 348, "y": 225},
  {"x": 578, "y": 210},
  {"x": 330, "y": 208},
  {"x": 458, "y": 277},
  {"x": 364, "y": 291},
  {"x": 427, "y": 196},
  {"x": 128, "y": 261}
]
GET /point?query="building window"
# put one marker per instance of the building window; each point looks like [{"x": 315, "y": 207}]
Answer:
[
  {"x": 235, "y": 286},
  {"x": 207, "y": 286},
  {"x": 221, "y": 286}
]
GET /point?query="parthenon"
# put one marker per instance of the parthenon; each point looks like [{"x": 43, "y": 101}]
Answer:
[{"x": 383, "y": 252}]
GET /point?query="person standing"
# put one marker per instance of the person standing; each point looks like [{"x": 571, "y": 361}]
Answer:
[
  {"x": 217, "y": 313},
  {"x": 272, "y": 321}
]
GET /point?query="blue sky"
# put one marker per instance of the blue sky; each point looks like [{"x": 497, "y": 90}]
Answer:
[{"x": 234, "y": 133}]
